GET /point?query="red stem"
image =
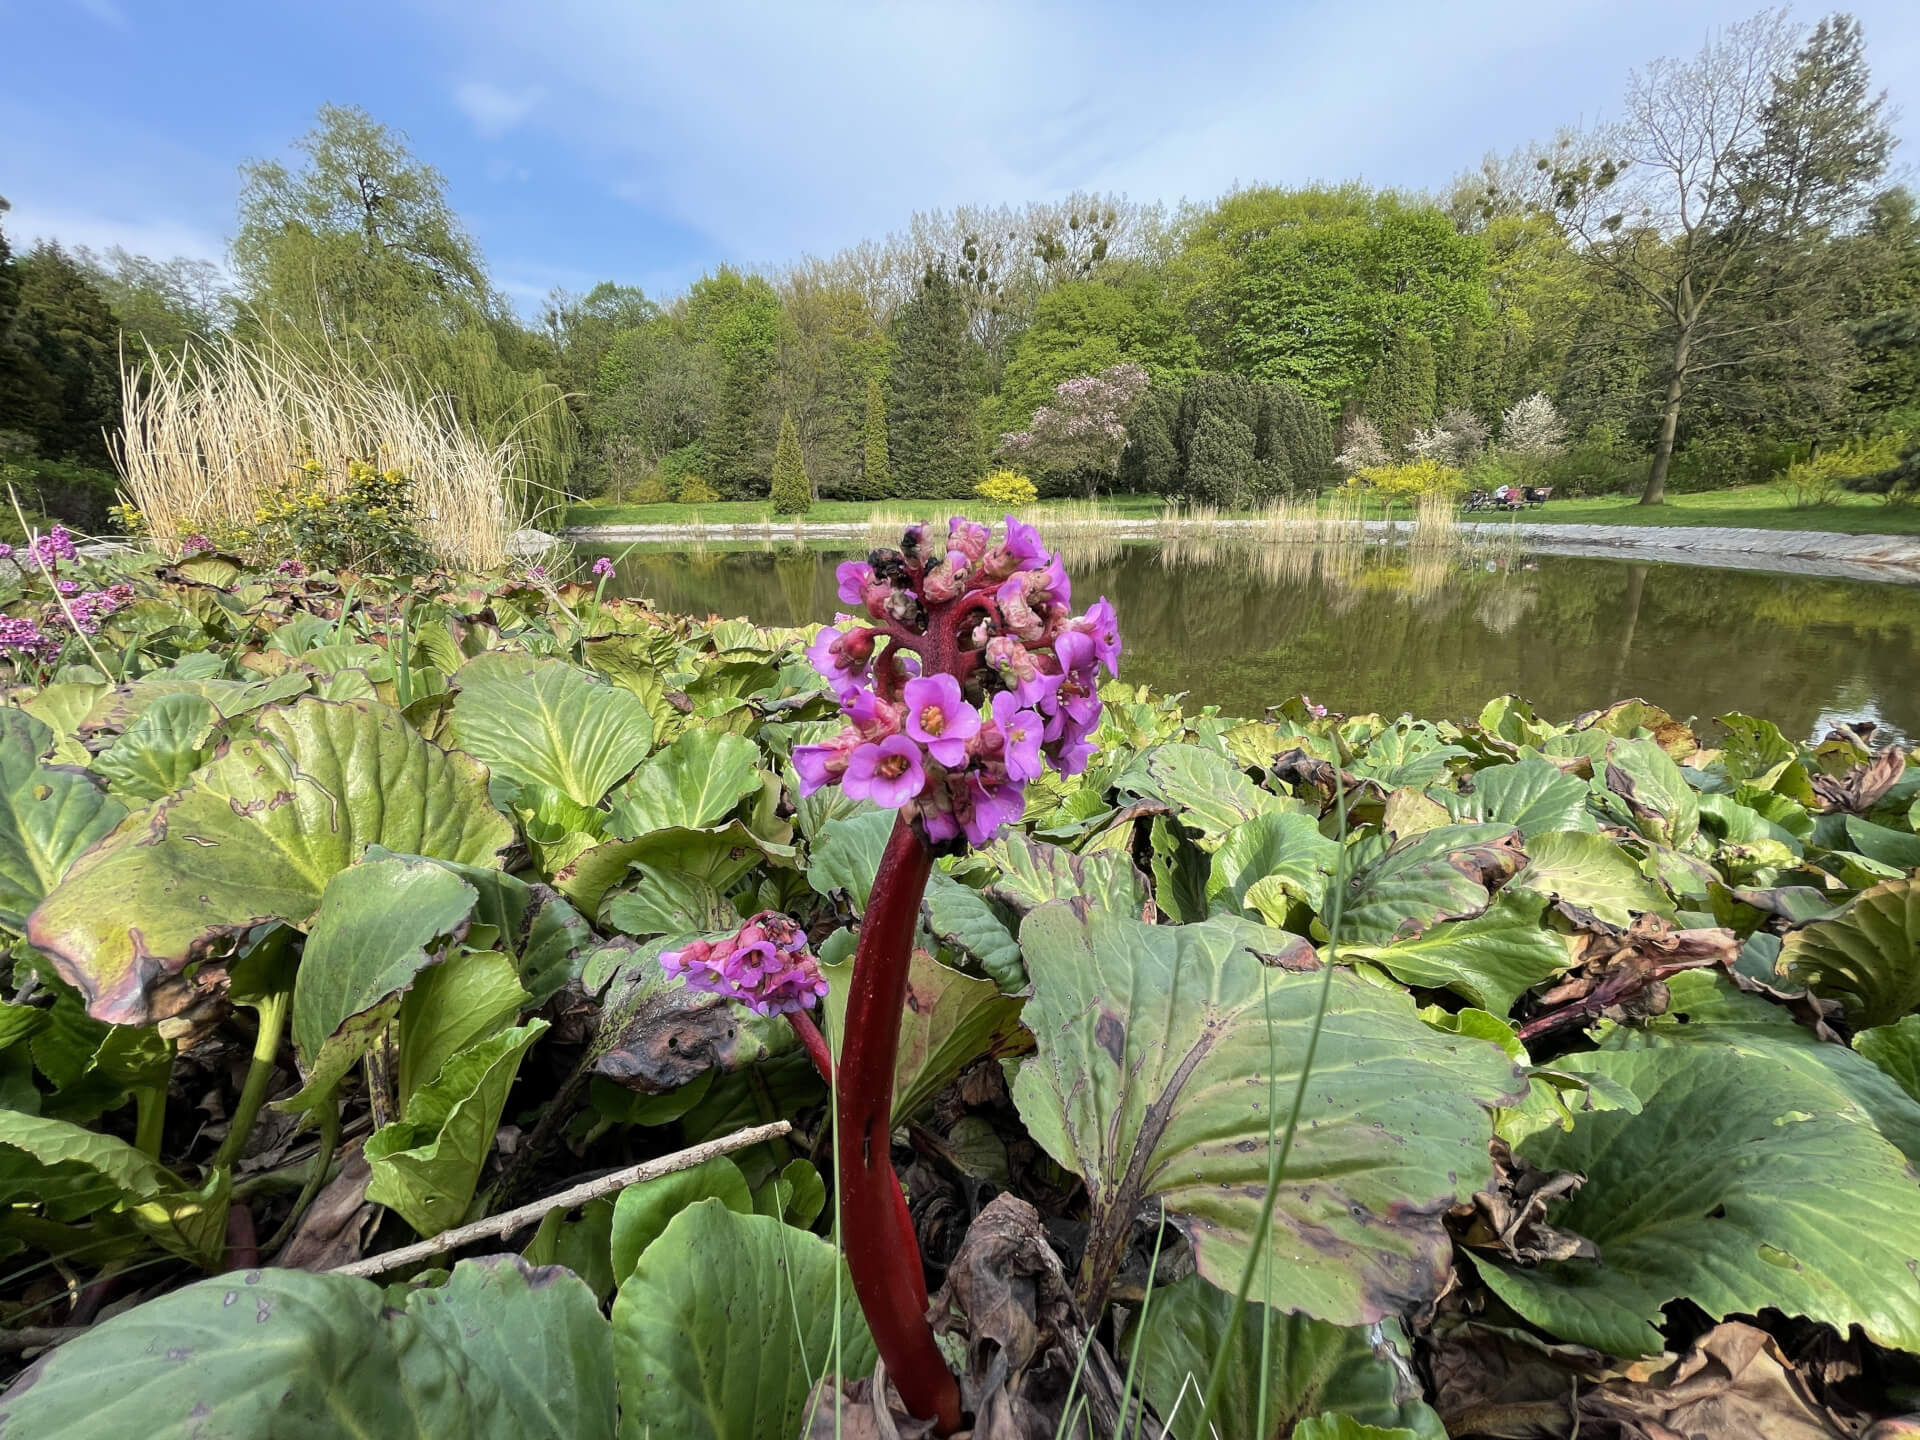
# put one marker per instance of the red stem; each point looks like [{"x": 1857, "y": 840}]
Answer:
[
  {"x": 813, "y": 1042},
  {"x": 876, "y": 1230}
]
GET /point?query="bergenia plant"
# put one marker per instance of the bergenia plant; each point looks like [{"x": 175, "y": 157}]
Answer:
[{"x": 963, "y": 677}]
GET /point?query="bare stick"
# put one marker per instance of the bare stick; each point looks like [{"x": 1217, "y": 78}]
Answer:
[
  {"x": 509, "y": 1221},
  {"x": 33, "y": 1337}
]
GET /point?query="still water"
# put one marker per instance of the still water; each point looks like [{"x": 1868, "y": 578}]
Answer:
[{"x": 1437, "y": 634}]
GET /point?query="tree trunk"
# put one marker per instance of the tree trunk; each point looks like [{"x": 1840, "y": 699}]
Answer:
[{"x": 1656, "y": 491}]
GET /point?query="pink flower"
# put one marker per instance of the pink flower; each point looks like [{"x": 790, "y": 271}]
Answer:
[
  {"x": 195, "y": 545},
  {"x": 765, "y": 966},
  {"x": 889, "y": 773},
  {"x": 537, "y": 573},
  {"x": 603, "y": 567},
  {"x": 842, "y": 658},
  {"x": 991, "y": 807},
  {"x": 1102, "y": 626},
  {"x": 292, "y": 569},
  {"x": 939, "y": 717},
  {"x": 1021, "y": 732},
  {"x": 854, "y": 577}
]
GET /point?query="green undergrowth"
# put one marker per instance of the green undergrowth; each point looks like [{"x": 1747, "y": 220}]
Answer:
[{"x": 417, "y": 849}]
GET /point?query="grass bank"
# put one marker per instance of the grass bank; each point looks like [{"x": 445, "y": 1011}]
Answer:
[{"x": 1759, "y": 507}]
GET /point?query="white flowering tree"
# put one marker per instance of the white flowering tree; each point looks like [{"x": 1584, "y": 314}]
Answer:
[
  {"x": 1532, "y": 430},
  {"x": 1084, "y": 428},
  {"x": 1455, "y": 439},
  {"x": 1361, "y": 447}
]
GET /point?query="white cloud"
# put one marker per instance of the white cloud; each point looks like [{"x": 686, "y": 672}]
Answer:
[
  {"x": 158, "y": 237},
  {"x": 493, "y": 110}
]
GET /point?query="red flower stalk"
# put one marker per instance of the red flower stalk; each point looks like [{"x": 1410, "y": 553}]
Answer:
[{"x": 985, "y": 628}]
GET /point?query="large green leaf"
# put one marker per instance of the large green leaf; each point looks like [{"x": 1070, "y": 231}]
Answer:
[
  {"x": 452, "y": 1006},
  {"x": 961, "y": 916},
  {"x": 1410, "y": 753},
  {"x": 1896, "y": 1050},
  {"x": 427, "y": 1163},
  {"x": 643, "y": 1211},
  {"x": 1741, "y": 1184},
  {"x": 1162, "y": 1053},
  {"x": 187, "y": 1219},
  {"x": 160, "y": 749},
  {"x": 950, "y": 1021},
  {"x": 1706, "y": 1007},
  {"x": 847, "y": 854},
  {"x": 664, "y": 900},
  {"x": 1532, "y": 795},
  {"x": 48, "y": 816},
  {"x": 694, "y": 783},
  {"x": 1031, "y": 872},
  {"x": 1646, "y": 790},
  {"x": 1265, "y": 862},
  {"x": 1360, "y": 1371},
  {"x": 256, "y": 836},
  {"x": 1405, "y": 889},
  {"x": 724, "y": 1325},
  {"x": 377, "y": 921},
  {"x": 1204, "y": 790},
  {"x": 1489, "y": 959},
  {"x": 1868, "y": 958},
  {"x": 541, "y": 721},
  {"x": 1590, "y": 871},
  {"x": 502, "y": 1351},
  {"x": 1758, "y": 755}
]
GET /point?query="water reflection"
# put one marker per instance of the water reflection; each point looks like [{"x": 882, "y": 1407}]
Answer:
[{"x": 1433, "y": 630}]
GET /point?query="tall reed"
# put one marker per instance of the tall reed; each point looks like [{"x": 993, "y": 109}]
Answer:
[{"x": 210, "y": 434}]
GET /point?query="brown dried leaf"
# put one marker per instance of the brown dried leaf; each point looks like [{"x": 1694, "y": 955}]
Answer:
[
  {"x": 1509, "y": 1216},
  {"x": 1862, "y": 787},
  {"x": 1735, "y": 1381},
  {"x": 335, "y": 1225}
]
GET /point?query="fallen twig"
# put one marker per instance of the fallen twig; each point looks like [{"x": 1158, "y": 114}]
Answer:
[
  {"x": 508, "y": 1221},
  {"x": 33, "y": 1337}
]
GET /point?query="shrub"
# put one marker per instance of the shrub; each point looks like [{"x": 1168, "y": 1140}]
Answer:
[
  {"x": 1410, "y": 481},
  {"x": 694, "y": 490},
  {"x": 1595, "y": 464},
  {"x": 792, "y": 493},
  {"x": 1820, "y": 479},
  {"x": 652, "y": 490},
  {"x": 365, "y": 525},
  {"x": 679, "y": 466},
  {"x": 1007, "y": 487}
]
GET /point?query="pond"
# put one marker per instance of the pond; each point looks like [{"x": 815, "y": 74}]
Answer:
[{"x": 1436, "y": 633}]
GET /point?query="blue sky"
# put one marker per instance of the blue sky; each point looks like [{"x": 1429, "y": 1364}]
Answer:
[{"x": 592, "y": 139}]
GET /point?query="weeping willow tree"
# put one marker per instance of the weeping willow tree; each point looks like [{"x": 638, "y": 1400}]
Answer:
[{"x": 355, "y": 251}]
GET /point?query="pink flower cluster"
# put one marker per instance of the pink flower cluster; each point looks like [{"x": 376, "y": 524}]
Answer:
[
  {"x": 291, "y": 569},
  {"x": 43, "y": 638},
  {"x": 986, "y": 623},
  {"x": 766, "y": 966},
  {"x": 603, "y": 567}
]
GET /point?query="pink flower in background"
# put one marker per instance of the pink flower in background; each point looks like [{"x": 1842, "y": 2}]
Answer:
[
  {"x": 765, "y": 966},
  {"x": 603, "y": 567}
]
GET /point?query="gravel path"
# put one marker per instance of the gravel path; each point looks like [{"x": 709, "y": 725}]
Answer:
[{"x": 1785, "y": 552}]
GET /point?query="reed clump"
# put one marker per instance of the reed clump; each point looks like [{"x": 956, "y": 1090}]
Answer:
[{"x": 211, "y": 435}]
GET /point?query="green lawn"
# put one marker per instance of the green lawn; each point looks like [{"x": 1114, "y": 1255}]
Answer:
[{"x": 1761, "y": 507}]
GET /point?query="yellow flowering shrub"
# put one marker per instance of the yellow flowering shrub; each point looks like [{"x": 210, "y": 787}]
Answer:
[{"x": 1007, "y": 487}]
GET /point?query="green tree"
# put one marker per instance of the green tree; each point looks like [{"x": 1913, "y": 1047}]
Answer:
[
  {"x": 1401, "y": 391},
  {"x": 830, "y": 344},
  {"x": 1294, "y": 444},
  {"x": 736, "y": 320},
  {"x": 792, "y": 492},
  {"x": 357, "y": 249},
  {"x": 72, "y": 338},
  {"x": 162, "y": 303},
  {"x": 876, "y": 476},
  {"x": 1220, "y": 461},
  {"x": 1087, "y": 326},
  {"x": 1715, "y": 200},
  {"x": 932, "y": 420},
  {"x": 29, "y": 395},
  {"x": 1150, "y": 465},
  {"x": 1301, "y": 285}
]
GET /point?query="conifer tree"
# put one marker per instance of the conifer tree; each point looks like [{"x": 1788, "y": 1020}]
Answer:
[
  {"x": 876, "y": 481},
  {"x": 792, "y": 492},
  {"x": 932, "y": 421}
]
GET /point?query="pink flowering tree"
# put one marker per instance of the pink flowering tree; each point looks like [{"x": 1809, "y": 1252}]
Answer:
[
  {"x": 1084, "y": 428},
  {"x": 963, "y": 678}
]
